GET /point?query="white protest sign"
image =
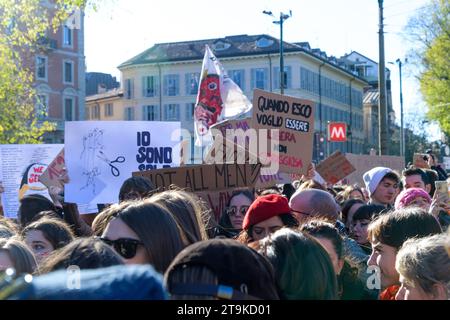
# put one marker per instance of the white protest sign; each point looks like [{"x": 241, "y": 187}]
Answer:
[
  {"x": 20, "y": 168},
  {"x": 101, "y": 155}
]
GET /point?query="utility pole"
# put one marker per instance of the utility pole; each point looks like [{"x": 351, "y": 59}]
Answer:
[
  {"x": 281, "y": 55},
  {"x": 402, "y": 138},
  {"x": 280, "y": 22},
  {"x": 382, "y": 104}
]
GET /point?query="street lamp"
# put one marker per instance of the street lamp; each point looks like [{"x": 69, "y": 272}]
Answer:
[
  {"x": 402, "y": 137},
  {"x": 280, "y": 22}
]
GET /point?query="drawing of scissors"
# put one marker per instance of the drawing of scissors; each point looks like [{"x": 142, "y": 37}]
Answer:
[{"x": 120, "y": 159}]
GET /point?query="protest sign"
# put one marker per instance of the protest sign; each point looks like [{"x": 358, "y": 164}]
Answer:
[
  {"x": 100, "y": 156},
  {"x": 419, "y": 160},
  {"x": 21, "y": 167},
  {"x": 335, "y": 168},
  {"x": 202, "y": 178},
  {"x": 364, "y": 163},
  {"x": 294, "y": 118},
  {"x": 51, "y": 176}
]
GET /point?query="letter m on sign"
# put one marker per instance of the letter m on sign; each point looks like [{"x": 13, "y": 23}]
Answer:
[{"x": 337, "y": 131}]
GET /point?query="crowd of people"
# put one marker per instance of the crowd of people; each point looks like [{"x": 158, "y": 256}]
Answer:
[{"x": 386, "y": 240}]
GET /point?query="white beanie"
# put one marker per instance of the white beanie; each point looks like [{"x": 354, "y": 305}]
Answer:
[{"x": 373, "y": 177}]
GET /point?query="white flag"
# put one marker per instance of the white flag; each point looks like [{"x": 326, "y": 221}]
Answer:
[{"x": 218, "y": 98}]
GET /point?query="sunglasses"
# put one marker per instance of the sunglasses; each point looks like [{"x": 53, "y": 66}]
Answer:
[
  {"x": 125, "y": 247},
  {"x": 231, "y": 211}
]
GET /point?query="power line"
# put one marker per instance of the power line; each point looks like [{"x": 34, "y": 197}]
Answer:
[{"x": 405, "y": 12}]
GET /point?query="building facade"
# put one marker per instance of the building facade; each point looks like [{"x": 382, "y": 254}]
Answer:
[
  {"x": 59, "y": 73},
  {"x": 161, "y": 83},
  {"x": 105, "y": 106},
  {"x": 368, "y": 69}
]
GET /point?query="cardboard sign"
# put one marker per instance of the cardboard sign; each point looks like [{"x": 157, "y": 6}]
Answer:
[
  {"x": 294, "y": 118},
  {"x": 419, "y": 160},
  {"x": 364, "y": 163},
  {"x": 243, "y": 124},
  {"x": 207, "y": 177},
  {"x": 335, "y": 168},
  {"x": 232, "y": 151},
  {"x": 54, "y": 170}
]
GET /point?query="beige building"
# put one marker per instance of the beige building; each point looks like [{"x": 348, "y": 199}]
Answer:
[
  {"x": 161, "y": 83},
  {"x": 105, "y": 106}
]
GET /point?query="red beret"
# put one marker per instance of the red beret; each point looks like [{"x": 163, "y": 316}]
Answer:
[{"x": 265, "y": 207}]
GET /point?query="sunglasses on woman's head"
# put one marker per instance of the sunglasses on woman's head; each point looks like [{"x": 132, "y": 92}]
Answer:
[
  {"x": 125, "y": 247},
  {"x": 231, "y": 211}
]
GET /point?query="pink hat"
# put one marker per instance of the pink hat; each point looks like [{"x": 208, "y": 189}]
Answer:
[{"x": 408, "y": 195}]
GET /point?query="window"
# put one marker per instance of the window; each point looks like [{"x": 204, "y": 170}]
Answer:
[
  {"x": 69, "y": 110},
  {"x": 41, "y": 68},
  {"x": 192, "y": 80},
  {"x": 67, "y": 37},
  {"x": 190, "y": 111},
  {"x": 42, "y": 105},
  {"x": 87, "y": 114},
  {"x": 220, "y": 45},
  {"x": 129, "y": 88},
  {"x": 238, "y": 77},
  {"x": 68, "y": 71},
  {"x": 171, "y": 85},
  {"x": 96, "y": 112},
  {"x": 109, "y": 110},
  {"x": 129, "y": 113},
  {"x": 149, "y": 86},
  {"x": 264, "y": 42},
  {"x": 287, "y": 77},
  {"x": 172, "y": 112},
  {"x": 259, "y": 78},
  {"x": 150, "y": 113}
]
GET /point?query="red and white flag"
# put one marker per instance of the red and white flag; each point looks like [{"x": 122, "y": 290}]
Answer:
[{"x": 219, "y": 98}]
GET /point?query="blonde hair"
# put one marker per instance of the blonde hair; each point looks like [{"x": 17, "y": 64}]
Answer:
[{"x": 425, "y": 262}]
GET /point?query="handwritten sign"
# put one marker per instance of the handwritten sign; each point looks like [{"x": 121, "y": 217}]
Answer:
[
  {"x": 55, "y": 169},
  {"x": 21, "y": 165},
  {"x": 335, "y": 168},
  {"x": 294, "y": 118},
  {"x": 101, "y": 155},
  {"x": 201, "y": 178}
]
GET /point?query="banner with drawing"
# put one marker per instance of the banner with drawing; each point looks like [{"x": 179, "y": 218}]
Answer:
[
  {"x": 21, "y": 165},
  {"x": 101, "y": 155}
]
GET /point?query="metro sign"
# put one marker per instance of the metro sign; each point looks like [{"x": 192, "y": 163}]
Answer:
[{"x": 337, "y": 131}]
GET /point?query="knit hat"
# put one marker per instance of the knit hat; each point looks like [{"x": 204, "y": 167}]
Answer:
[
  {"x": 373, "y": 177},
  {"x": 265, "y": 207},
  {"x": 242, "y": 273},
  {"x": 120, "y": 282},
  {"x": 407, "y": 196}
]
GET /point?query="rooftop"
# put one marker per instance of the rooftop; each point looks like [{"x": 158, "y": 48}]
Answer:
[{"x": 230, "y": 46}]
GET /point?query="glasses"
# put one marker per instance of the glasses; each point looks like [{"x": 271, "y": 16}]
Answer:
[
  {"x": 125, "y": 247},
  {"x": 231, "y": 211}
]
